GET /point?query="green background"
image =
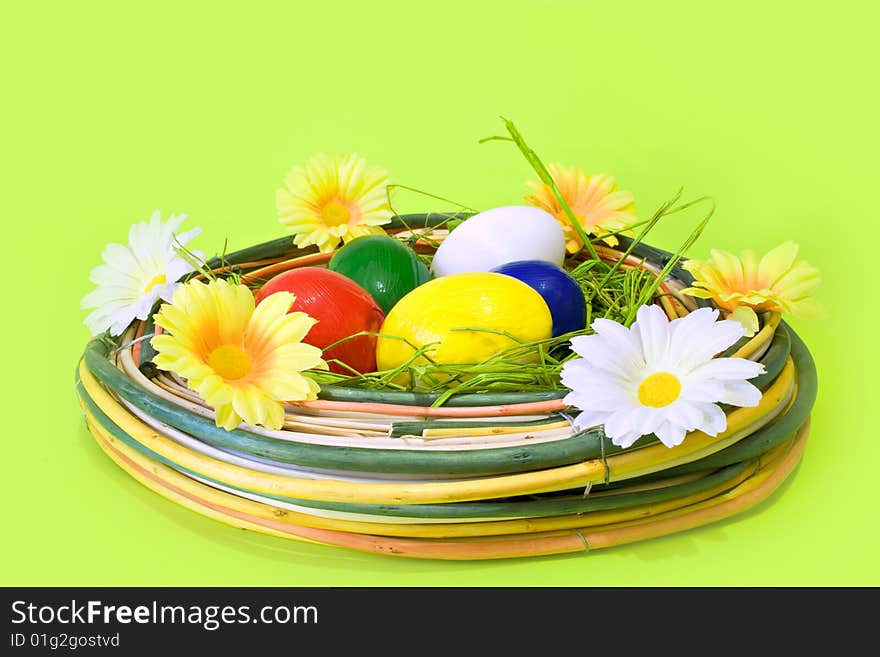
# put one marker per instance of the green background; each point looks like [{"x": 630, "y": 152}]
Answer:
[{"x": 112, "y": 110}]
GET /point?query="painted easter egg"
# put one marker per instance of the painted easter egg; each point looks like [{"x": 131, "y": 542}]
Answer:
[
  {"x": 383, "y": 266},
  {"x": 498, "y": 236},
  {"x": 437, "y": 311},
  {"x": 342, "y": 308},
  {"x": 559, "y": 290}
]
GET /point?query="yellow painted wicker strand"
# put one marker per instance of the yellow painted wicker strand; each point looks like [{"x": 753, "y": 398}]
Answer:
[
  {"x": 747, "y": 494},
  {"x": 445, "y": 530},
  {"x": 650, "y": 459}
]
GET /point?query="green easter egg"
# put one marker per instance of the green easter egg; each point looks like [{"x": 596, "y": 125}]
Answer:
[{"x": 383, "y": 266}]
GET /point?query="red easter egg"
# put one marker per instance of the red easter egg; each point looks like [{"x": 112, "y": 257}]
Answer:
[{"x": 342, "y": 308}]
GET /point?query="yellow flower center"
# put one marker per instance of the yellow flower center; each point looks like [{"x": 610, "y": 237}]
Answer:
[
  {"x": 659, "y": 389},
  {"x": 158, "y": 279},
  {"x": 229, "y": 361},
  {"x": 335, "y": 214}
]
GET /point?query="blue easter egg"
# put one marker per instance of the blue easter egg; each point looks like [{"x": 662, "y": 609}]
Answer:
[{"x": 559, "y": 290}]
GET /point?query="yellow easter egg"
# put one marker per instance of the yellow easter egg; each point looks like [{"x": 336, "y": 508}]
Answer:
[{"x": 437, "y": 311}]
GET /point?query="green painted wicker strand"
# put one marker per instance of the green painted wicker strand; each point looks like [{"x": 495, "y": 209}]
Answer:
[{"x": 580, "y": 447}]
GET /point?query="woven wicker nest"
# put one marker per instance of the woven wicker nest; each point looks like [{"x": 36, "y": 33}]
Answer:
[{"x": 484, "y": 476}]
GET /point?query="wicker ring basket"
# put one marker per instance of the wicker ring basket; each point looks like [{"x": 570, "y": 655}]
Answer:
[{"x": 484, "y": 476}]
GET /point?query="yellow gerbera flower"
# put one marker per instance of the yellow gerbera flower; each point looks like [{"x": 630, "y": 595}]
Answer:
[
  {"x": 333, "y": 198},
  {"x": 595, "y": 200},
  {"x": 243, "y": 361},
  {"x": 777, "y": 282}
]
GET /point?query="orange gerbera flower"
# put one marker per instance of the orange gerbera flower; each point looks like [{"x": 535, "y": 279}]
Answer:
[
  {"x": 595, "y": 200},
  {"x": 776, "y": 282}
]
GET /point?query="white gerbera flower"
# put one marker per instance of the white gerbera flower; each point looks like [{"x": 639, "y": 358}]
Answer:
[
  {"x": 134, "y": 277},
  {"x": 658, "y": 376}
]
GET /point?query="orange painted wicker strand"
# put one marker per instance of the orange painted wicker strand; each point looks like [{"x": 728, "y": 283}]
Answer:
[
  {"x": 559, "y": 542},
  {"x": 285, "y": 265},
  {"x": 528, "y": 408}
]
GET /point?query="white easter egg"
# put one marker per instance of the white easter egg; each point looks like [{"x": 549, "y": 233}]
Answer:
[{"x": 498, "y": 236}]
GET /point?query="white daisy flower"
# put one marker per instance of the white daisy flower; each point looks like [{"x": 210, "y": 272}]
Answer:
[
  {"x": 134, "y": 277},
  {"x": 658, "y": 376}
]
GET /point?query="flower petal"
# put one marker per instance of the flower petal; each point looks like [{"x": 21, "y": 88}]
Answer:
[
  {"x": 740, "y": 393},
  {"x": 597, "y": 351},
  {"x": 226, "y": 417},
  {"x": 704, "y": 344},
  {"x": 776, "y": 262},
  {"x": 625, "y": 439},
  {"x": 287, "y": 386},
  {"x": 589, "y": 419},
  {"x": 748, "y": 318},
  {"x": 619, "y": 340},
  {"x": 684, "y": 331},
  {"x": 714, "y": 420},
  {"x": 618, "y": 425},
  {"x": 727, "y": 369},
  {"x": 670, "y": 434},
  {"x": 652, "y": 327}
]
